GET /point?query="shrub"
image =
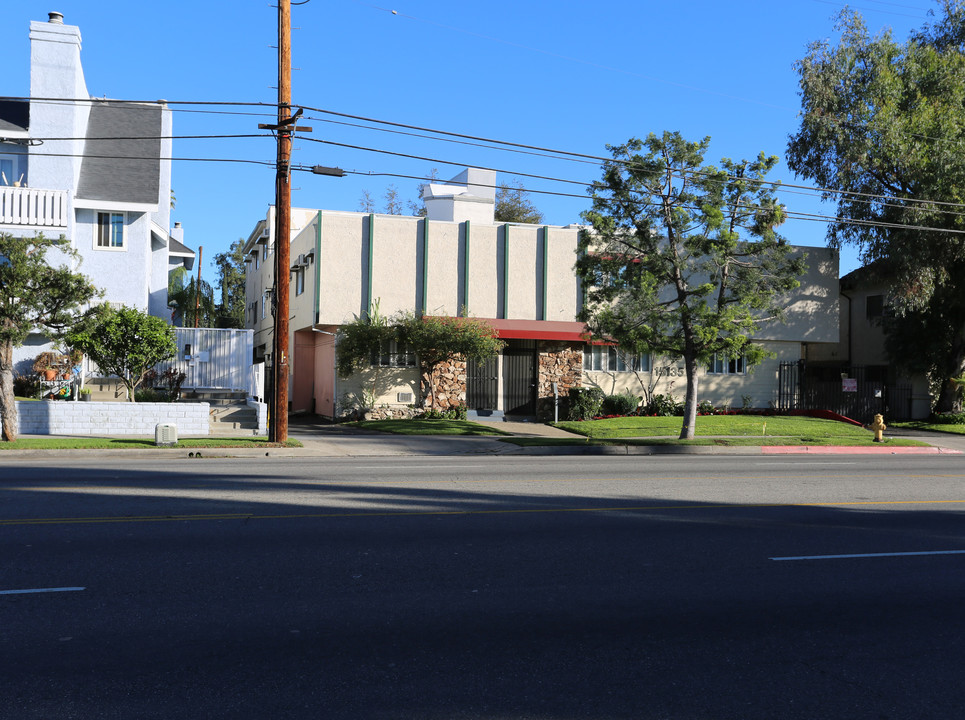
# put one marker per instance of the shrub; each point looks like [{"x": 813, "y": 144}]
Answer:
[
  {"x": 948, "y": 418},
  {"x": 151, "y": 395},
  {"x": 26, "y": 385},
  {"x": 585, "y": 402},
  {"x": 705, "y": 407},
  {"x": 664, "y": 406},
  {"x": 622, "y": 404}
]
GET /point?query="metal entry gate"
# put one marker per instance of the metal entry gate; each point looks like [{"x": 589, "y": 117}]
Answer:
[
  {"x": 823, "y": 388},
  {"x": 519, "y": 377},
  {"x": 482, "y": 384}
]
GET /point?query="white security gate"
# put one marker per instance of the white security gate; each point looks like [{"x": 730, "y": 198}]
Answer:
[{"x": 214, "y": 358}]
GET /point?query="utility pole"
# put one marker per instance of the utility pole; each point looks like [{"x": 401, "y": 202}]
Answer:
[
  {"x": 285, "y": 127},
  {"x": 197, "y": 288},
  {"x": 278, "y": 430}
]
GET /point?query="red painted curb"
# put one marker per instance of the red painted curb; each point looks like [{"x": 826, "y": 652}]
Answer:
[{"x": 851, "y": 450}]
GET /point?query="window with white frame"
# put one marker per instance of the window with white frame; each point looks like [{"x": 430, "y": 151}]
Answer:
[
  {"x": 392, "y": 354},
  {"x": 608, "y": 358},
  {"x": 299, "y": 281},
  {"x": 110, "y": 231},
  {"x": 723, "y": 365}
]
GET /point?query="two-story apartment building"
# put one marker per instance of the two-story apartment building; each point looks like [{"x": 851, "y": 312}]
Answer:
[
  {"x": 95, "y": 171},
  {"x": 519, "y": 278}
]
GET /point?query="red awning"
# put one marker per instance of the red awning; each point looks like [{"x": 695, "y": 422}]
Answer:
[{"x": 540, "y": 330}]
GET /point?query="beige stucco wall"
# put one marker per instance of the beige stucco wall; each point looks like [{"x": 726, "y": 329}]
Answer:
[
  {"x": 812, "y": 309},
  {"x": 395, "y": 281},
  {"x": 442, "y": 268},
  {"x": 562, "y": 291},
  {"x": 484, "y": 263},
  {"x": 759, "y": 383}
]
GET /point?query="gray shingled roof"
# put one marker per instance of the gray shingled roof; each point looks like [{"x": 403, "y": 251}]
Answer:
[
  {"x": 121, "y": 170},
  {"x": 14, "y": 115}
]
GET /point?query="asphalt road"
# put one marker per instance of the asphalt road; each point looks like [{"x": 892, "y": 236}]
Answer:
[{"x": 484, "y": 587}]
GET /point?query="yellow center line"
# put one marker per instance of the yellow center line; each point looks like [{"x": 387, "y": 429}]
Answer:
[{"x": 418, "y": 513}]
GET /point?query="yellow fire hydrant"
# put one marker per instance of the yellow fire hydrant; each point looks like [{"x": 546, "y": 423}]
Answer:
[{"x": 878, "y": 426}]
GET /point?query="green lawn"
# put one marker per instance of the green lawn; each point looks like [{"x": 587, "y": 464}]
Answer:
[
  {"x": 82, "y": 443},
  {"x": 930, "y": 427},
  {"x": 420, "y": 426},
  {"x": 727, "y": 430}
]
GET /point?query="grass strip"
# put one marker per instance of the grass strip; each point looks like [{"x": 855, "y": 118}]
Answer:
[
  {"x": 930, "y": 427},
  {"x": 761, "y": 426},
  {"x": 83, "y": 443}
]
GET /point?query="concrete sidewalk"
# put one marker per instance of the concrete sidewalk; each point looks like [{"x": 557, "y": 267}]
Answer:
[{"x": 323, "y": 439}]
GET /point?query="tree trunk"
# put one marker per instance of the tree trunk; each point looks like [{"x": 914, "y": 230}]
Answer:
[
  {"x": 949, "y": 399},
  {"x": 8, "y": 405},
  {"x": 689, "y": 428}
]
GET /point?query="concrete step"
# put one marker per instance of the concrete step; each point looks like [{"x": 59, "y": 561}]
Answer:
[{"x": 486, "y": 416}]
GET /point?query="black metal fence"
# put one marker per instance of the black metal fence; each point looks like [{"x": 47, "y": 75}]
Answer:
[{"x": 854, "y": 391}]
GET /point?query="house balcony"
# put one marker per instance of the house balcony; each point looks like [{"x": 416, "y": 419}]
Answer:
[{"x": 33, "y": 209}]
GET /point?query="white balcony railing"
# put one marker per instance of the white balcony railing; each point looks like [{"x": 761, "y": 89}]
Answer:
[{"x": 33, "y": 207}]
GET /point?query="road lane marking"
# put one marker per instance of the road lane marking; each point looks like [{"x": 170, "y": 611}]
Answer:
[
  {"x": 871, "y": 555},
  {"x": 40, "y": 590},
  {"x": 695, "y": 505}
]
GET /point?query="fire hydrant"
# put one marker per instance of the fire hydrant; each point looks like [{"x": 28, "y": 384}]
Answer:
[{"x": 878, "y": 426}]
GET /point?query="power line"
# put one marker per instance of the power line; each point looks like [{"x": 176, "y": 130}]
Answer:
[
  {"x": 791, "y": 214},
  {"x": 776, "y": 184},
  {"x": 171, "y": 159}
]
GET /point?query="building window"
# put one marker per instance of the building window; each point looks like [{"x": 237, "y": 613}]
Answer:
[
  {"x": 723, "y": 365},
  {"x": 110, "y": 230},
  {"x": 607, "y": 358},
  {"x": 12, "y": 170},
  {"x": 299, "y": 281},
  {"x": 874, "y": 306},
  {"x": 392, "y": 355}
]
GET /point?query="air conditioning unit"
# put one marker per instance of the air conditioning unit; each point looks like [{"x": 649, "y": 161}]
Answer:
[
  {"x": 166, "y": 434},
  {"x": 404, "y": 397}
]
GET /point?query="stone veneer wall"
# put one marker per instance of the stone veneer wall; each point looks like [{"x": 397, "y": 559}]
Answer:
[
  {"x": 449, "y": 379},
  {"x": 561, "y": 363},
  {"x": 72, "y": 417}
]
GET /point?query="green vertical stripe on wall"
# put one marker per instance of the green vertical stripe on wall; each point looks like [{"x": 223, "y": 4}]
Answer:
[
  {"x": 368, "y": 274},
  {"x": 465, "y": 276},
  {"x": 318, "y": 263},
  {"x": 425, "y": 266},
  {"x": 546, "y": 252}
]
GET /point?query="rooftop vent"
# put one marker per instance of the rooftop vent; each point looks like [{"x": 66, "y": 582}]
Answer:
[{"x": 56, "y": 18}]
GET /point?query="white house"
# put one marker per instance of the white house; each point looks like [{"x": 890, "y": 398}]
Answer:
[
  {"x": 96, "y": 171},
  {"x": 519, "y": 278}
]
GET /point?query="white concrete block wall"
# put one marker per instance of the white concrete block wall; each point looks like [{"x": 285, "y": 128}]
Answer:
[
  {"x": 56, "y": 417},
  {"x": 262, "y": 410}
]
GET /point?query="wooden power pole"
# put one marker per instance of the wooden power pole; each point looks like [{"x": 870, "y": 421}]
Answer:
[
  {"x": 285, "y": 127},
  {"x": 278, "y": 429}
]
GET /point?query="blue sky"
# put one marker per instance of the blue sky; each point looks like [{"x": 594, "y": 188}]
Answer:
[{"x": 570, "y": 76}]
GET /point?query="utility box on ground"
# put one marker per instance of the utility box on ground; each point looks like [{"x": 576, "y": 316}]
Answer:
[{"x": 166, "y": 434}]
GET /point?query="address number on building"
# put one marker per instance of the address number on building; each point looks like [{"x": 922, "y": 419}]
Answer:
[{"x": 669, "y": 371}]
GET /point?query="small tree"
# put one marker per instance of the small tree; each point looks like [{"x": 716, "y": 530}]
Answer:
[
  {"x": 34, "y": 295},
  {"x": 358, "y": 342},
  {"x": 125, "y": 342},
  {"x": 190, "y": 308},
  {"x": 683, "y": 260},
  {"x": 230, "y": 311},
  {"x": 513, "y": 205},
  {"x": 437, "y": 339}
]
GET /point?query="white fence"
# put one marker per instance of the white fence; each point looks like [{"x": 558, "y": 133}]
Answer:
[
  {"x": 31, "y": 206},
  {"x": 214, "y": 359},
  {"x": 67, "y": 417}
]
